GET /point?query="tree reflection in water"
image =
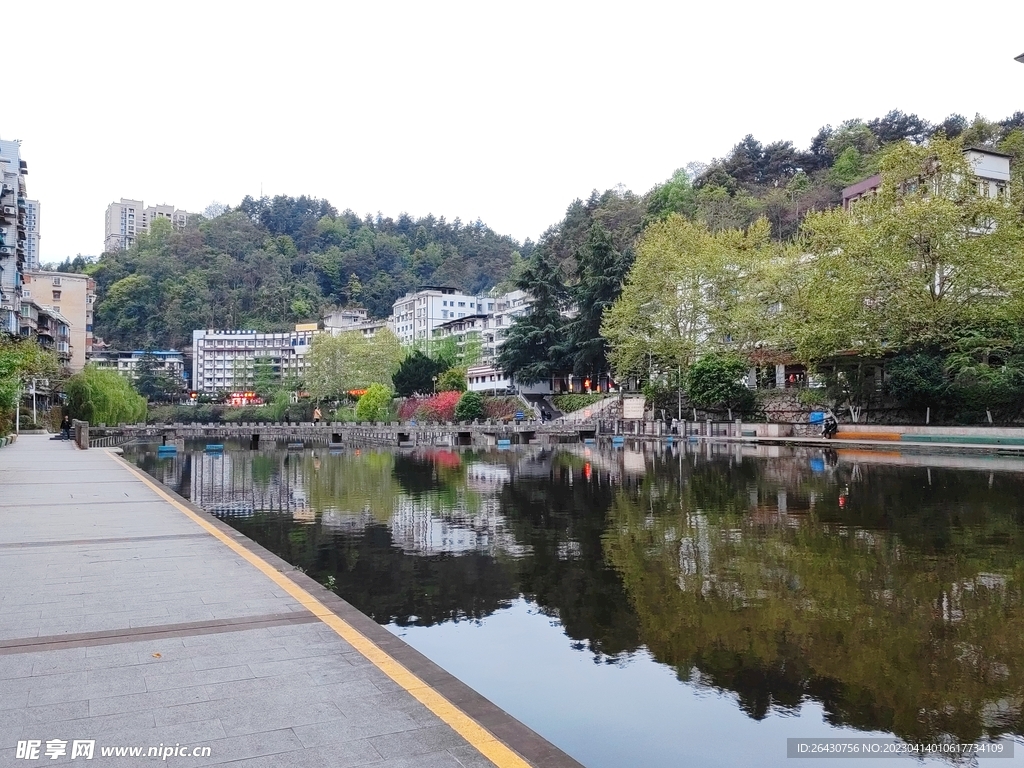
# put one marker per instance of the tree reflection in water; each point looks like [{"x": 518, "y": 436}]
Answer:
[{"x": 889, "y": 593}]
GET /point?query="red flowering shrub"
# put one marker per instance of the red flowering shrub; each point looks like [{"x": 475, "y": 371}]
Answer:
[{"x": 440, "y": 407}]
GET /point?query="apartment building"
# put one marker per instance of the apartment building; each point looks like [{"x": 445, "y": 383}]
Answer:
[
  {"x": 13, "y": 233},
  {"x": 351, "y": 320},
  {"x": 73, "y": 296},
  {"x": 32, "y": 234},
  {"x": 991, "y": 174},
  {"x": 126, "y": 220},
  {"x": 226, "y": 361},
  {"x": 415, "y": 316},
  {"x": 50, "y": 329},
  {"x": 170, "y": 362}
]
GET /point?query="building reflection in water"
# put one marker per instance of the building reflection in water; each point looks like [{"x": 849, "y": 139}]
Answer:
[{"x": 888, "y": 588}]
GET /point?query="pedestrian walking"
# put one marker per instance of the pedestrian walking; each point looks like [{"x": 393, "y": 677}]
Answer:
[
  {"x": 317, "y": 415},
  {"x": 65, "y": 428}
]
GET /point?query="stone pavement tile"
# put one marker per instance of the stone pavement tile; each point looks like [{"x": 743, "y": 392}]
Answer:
[
  {"x": 270, "y": 715},
  {"x": 342, "y": 671},
  {"x": 351, "y": 729},
  {"x": 163, "y": 646},
  {"x": 247, "y": 714},
  {"x": 420, "y": 741},
  {"x": 308, "y": 664},
  {"x": 469, "y": 757},
  {"x": 160, "y": 681},
  {"x": 51, "y": 662},
  {"x": 242, "y": 748},
  {"x": 443, "y": 759},
  {"x": 114, "y": 681},
  {"x": 15, "y": 722},
  {"x": 67, "y": 681},
  {"x": 15, "y": 665},
  {"x": 258, "y": 686},
  {"x": 195, "y": 733},
  {"x": 350, "y": 753},
  {"x": 345, "y": 691},
  {"x": 158, "y": 700},
  {"x": 88, "y": 727},
  {"x": 251, "y": 656}
]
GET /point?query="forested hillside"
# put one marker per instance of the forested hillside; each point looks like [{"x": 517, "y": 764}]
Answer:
[
  {"x": 270, "y": 263},
  {"x": 751, "y": 204}
]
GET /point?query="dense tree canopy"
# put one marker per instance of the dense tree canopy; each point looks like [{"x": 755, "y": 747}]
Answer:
[{"x": 273, "y": 262}]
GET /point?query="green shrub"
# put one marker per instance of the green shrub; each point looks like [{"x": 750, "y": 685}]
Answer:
[
  {"x": 452, "y": 380},
  {"x": 375, "y": 405},
  {"x": 570, "y": 403},
  {"x": 716, "y": 381},
  {"x": 470, "y": 407},
  {"x": 818, "y": 396}
]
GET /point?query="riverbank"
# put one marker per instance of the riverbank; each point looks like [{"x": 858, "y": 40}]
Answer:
[{"x": 132, "y": 618}]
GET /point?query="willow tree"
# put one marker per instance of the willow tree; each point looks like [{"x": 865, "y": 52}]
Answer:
[{"x": 102, "y": 396}]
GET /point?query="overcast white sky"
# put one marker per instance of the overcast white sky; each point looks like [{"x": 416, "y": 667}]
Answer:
[{"x": 503, "y": 111}]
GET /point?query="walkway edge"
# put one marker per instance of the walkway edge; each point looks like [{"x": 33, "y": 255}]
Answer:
[{"x": 485, "y": 742}]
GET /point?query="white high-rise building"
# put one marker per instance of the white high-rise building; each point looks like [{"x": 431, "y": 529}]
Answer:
[
  {"x": 226, "y": 361},
  {"x": 126, "y": 220},
  {"x": 32, "y": 234},
  {"x": 13, "y": 233},
  {"x": 415, "y": 316}
]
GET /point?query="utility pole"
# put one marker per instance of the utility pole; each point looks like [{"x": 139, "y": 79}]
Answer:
[{"x": 679, "y": 394}]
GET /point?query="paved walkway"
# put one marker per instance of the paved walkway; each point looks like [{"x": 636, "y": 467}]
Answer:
[{"x": 129, "y": 618}]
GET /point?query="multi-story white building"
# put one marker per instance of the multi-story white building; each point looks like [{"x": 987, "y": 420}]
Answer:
[
  {"x": 170, "y": 362},
  {"x": 415, "y": 316},
  {"x": 32, "y": 234},
  {"x": 226, "y": 361},
  {"x": 13, "y": 233},
  {"x": 352, "y": 320},
  {"x": 126, "y": 220}
]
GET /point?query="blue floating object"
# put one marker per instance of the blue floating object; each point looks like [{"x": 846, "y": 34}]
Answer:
[
  {"x": 589, "y": 441},
  {"x": 504, "y": 443},
  {"x": 817, "y": 417},
  {"x": 618, "y": 440},
  {"x": 166, "y": 450},
  {"x": 214, "y": 448},
  {"x": 817, "y": 465}
]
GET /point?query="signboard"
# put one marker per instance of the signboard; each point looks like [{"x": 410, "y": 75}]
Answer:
[{"x": 633, "y": 407}]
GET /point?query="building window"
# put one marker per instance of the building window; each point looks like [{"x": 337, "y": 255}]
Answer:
[
  {"x": 56, "y": 281},
  {"x": 56, "y": 295}
]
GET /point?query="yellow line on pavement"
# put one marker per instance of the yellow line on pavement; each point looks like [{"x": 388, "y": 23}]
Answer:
[{"x": 478, "y": 736}]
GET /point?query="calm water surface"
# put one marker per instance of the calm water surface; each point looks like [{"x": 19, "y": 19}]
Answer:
[{"x": 669, "y": 606}]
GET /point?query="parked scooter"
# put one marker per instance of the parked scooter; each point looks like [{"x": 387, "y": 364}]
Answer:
[{"x": 829, "y": 427}]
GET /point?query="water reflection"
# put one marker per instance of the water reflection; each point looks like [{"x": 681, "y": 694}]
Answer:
[{"x": 884, "y": 588}]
